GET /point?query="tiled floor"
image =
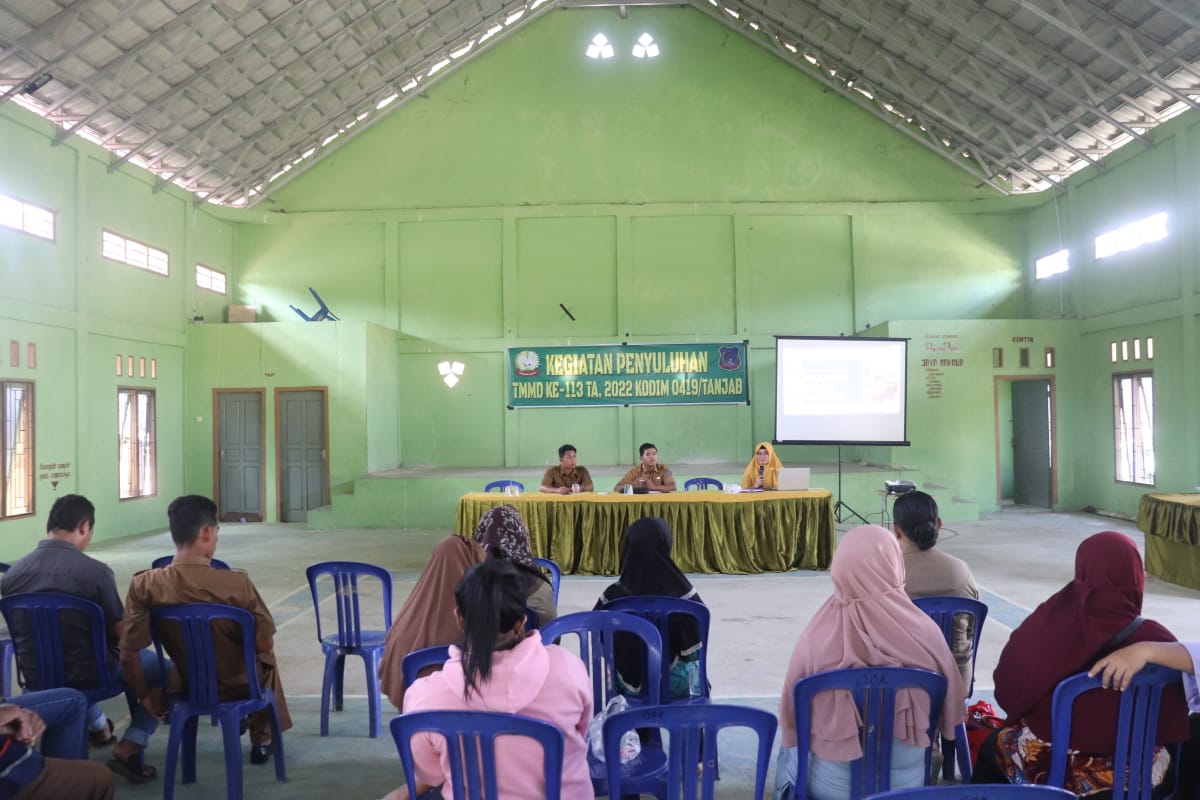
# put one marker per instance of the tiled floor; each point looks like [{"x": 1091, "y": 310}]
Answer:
[{"x": 1019, "y": 557}]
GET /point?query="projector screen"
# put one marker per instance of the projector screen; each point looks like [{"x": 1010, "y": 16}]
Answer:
[{"x": 840, "y": 390}]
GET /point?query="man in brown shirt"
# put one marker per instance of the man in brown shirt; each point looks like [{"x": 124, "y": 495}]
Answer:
[
  {"x": 649, "y": 474},
  {"x": 191, "y": 579},
  {"x": 560, "y": 479}
]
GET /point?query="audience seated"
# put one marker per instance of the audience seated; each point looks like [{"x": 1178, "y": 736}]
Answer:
[
  {"x": 502, "y": 531},
  {"x": 501, "y": 667},
  {"x": 59, "y": 565},
  {"x": 1092, "y": 615},
  {"x": 868, "y": 622},
  {"x": 930, "y": 572},
  {"x": 61, "y": 769},
  {"x": 191, "y": 579},
  {"x": 427, "y": 617},
  {"x": 648, "y": 570}
]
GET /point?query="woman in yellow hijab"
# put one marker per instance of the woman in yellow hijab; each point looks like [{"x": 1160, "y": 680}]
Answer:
[{"x": 763, "y": 470}]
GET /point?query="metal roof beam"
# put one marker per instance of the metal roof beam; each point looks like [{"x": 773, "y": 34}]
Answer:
[
  {"x": 1071, "y": 69},
  {"x": 52, "y": 64},
  {"x": 117, "y": 66},
  {"x": 252, "y": 97},
  {"x": 226, "y": 60},
  {"x": 318, "y": 134},
  {"x": 874, "y": 107},
  {"x": 942, "y": 79},
  {"x": 1073, "y": 30}
]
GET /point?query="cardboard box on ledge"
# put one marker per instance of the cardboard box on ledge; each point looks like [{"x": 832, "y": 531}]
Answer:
[{"x": 241, "y": 314}]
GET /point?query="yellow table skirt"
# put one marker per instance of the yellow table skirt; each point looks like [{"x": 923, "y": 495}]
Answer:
[
  {"x": 714, "y": 531},
  {"x": 1171, "y": 523}
]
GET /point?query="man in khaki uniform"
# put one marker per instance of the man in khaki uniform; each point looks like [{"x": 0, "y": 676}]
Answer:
[
  {"x": 649, "y": 474},
  {"x": 568, "y": 473},
  {"x": 191, "y": 579}
]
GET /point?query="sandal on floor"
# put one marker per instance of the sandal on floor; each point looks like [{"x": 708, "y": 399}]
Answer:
[
  {"x": 103, "y": 736},
  {"x": 134, "y": 768}
]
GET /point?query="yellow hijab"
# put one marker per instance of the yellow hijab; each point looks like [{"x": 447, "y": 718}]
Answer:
[{"x": 770, "y": 469}]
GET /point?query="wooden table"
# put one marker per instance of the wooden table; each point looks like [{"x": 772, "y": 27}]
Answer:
[
  {"x": 1171, "y": 523},
  {"x": 743, "y": 533}
]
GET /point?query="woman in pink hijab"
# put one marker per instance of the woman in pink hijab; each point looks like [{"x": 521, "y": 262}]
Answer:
[{"x": 868, "y": 622}]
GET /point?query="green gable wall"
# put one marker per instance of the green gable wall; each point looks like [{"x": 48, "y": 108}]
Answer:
[{"x": 82, "y": 311}]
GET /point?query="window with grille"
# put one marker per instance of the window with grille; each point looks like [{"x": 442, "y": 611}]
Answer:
[
  {"x": 134, "y": 253},
  {"x": 211, "y": 279},
  {"x": 137, "y": 465},
  {"x": 16, "y": 449},
  {"x": 26, "y": 217},
  {"x": 1133, "y": 424}
]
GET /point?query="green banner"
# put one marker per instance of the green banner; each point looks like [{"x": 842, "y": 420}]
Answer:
[{"x": 627, "y": 375}]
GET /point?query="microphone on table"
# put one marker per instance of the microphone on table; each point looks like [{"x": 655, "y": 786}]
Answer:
[{"x": 760, "y": 473}]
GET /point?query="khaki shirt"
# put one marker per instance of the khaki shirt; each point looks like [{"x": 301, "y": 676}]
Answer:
[
  {"x": 557, "y": 478},
  {"x": 656, "y": 479},
  {"x": 192, "y": 580}
]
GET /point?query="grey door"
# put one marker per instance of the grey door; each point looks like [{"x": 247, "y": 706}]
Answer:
[
  {"x": 1032, "y": 447},
  {"x": 302, "y": 454},
  {"x": 240, "y": 455}
]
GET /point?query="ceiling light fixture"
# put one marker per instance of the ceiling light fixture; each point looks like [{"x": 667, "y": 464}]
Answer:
[
  {"x": 600, "y": 47},
  {"x": 645, "y": 47}
]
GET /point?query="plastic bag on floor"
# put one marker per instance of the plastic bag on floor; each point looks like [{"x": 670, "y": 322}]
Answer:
[{"x": 631, "y": 745}]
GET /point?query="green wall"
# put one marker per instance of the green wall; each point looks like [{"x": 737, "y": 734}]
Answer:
[
  {"x": 714, "y": 194},
  {"x": 81, "y": 311},
  {"x": 1149, "y": 292}
]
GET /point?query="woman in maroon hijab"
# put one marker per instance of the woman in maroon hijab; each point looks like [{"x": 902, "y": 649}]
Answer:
[{"x": 1092, "y": 615}]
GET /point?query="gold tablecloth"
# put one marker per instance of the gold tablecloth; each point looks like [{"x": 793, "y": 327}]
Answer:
[
  {"x": 1171, "y": 523},
  {"x": 742, "y": 533}
]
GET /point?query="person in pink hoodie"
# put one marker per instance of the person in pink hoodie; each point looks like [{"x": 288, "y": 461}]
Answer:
[{"x": 501, "y": 667}]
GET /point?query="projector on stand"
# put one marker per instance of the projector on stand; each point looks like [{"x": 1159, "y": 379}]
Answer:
[{"x": 899, "y": 487}]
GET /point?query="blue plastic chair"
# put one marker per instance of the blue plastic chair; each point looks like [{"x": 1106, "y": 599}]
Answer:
[
  {"x": 978, "y": 791},
  {"x": 658, "y": 611},
  {"x": 874, "y": 691},
  {"x": 472, "y": 755},
  {"x": 39, "y": 616},
  {"x": 943, "y": 609},
  {"x": 702, "y": 484},
  {"x": 417, "y": 660},
  {"x": 197, "y": 664},
  {"x": 351, "y": 639},
  {"x": 163, "y": 561},
  {"x": 1136, "y": 725},
  {"x": 596, "y": 632},
  {"x": 555, "y": 574},
  {"x": 7, "y": 653},
  {"x": 692, "y": 734},
  {"x": 499, "y": 486}
]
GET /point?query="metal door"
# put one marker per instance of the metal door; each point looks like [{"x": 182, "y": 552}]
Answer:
[
  {"x": 1032, "y": 445},
  {"x": 240, "y": 455},
  {"x": 303, "y": 477}
]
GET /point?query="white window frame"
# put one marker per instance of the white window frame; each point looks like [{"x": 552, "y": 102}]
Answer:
[
  {"x": 1132, "y": 236},
  {"x": 28, "y": 218},
  {"x": 137, "y": 447},
  {"x": 124, "y": 250},
  {"x": 211, "y": 279},
  {"x": 1055, "y": 263},
  {"x": 1133, "y": 428}
]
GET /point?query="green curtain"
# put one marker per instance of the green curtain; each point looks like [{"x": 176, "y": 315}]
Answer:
[{"x": 714, "y": 532}]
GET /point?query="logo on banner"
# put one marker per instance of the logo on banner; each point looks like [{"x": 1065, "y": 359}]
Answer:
[
  {"x": 731, "y": 358},
  {"x": 527, "y": 363}
]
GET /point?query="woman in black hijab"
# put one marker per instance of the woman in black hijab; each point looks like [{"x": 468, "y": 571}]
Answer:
[{"x": 647, "y": 570}]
